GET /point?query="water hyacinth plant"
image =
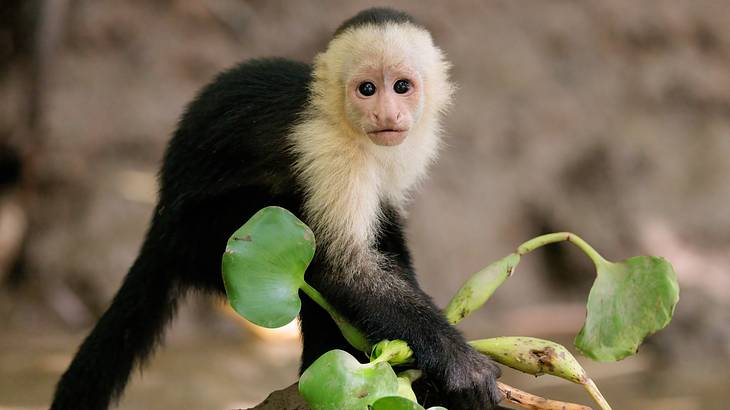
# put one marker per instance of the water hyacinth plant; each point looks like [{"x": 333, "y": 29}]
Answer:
[{"x": 264, "y": 267}]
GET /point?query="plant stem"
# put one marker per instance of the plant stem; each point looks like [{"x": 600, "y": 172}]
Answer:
[
  {"x": 526, "y": 400},
  {"x": 317, "y": 297},
  {"x": 353, "y": 335},
  {"x": 411, "y": 374},
  {"x": 596, "y": 394},
  {"x": 576, "y": 240},
  {"x": 379, "y": 359}
]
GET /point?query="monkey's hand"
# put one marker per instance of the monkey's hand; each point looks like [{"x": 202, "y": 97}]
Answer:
[{"x": 470, "y": 381}]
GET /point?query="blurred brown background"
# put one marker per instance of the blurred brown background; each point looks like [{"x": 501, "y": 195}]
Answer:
[{"x": 610, "y": 119}]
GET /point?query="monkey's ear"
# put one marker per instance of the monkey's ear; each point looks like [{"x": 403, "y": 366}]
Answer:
[
  {"x": 322, "y": 68},
  {"x": 320, "y": 63},
  {"x": 264, "y": 265}
]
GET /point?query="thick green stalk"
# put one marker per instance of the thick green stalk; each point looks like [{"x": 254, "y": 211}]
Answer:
[
  {"x": 533, "y": 356},
  {"x": 405, "y": 381},
  {"x": 479, "y": 288},
  {"x": 536, "y": 357},
  {"x": 411, "y": 374}
]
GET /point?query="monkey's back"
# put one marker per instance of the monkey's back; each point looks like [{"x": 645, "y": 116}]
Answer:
[
  {"x": 228, "y": 159},
  {"x": 235, "y": 130},
  {"x": 219, "y": 168}
]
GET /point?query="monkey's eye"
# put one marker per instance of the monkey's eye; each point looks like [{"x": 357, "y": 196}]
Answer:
[
  {"x": 366, "y": 89},
  {"x": 402, "y": 86}
]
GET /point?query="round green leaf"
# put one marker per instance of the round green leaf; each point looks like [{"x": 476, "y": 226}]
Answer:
[
  {"x": 338, "y": 381},
  {"x": 396, "y": 403},
  {"x": 399, "y": 403},
  {"x": 264, "y": 264},
  {"x": 628, "y": 301}
]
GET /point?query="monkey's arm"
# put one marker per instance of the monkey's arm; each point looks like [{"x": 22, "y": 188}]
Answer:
[
  {"x": 386, "y": 302},
  {"x": 387, "y": 306}
]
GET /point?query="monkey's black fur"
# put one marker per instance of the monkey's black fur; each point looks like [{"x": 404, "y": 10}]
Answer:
[
  {"x": 224, "y": 163},
  {"x": 376, "y": 16},
  {"x": 229, "y": 158},
  {"x": 10, "y": 166}
]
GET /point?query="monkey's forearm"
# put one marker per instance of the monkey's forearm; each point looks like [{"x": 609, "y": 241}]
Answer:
[{"x": 391, "y": 308}]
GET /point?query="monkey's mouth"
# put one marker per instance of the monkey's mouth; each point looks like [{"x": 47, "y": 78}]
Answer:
[{"x": 388, "y": 137}]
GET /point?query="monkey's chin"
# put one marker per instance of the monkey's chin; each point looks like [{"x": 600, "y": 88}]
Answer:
[{"x": 388, "y": 138}]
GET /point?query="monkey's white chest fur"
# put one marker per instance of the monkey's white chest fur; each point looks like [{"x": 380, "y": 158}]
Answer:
[{"x": 346, "y": 178}]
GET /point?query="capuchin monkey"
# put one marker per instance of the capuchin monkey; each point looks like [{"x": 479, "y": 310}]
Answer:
[{"x": 341, "y": 144}]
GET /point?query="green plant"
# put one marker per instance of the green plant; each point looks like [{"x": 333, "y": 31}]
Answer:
[{"x": 263, "y": 270}]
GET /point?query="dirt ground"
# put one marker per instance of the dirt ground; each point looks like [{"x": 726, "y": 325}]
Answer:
[{"x": 608, "y": 119}]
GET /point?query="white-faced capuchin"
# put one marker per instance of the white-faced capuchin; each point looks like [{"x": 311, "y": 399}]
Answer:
[{"x": 340, "y": 143}]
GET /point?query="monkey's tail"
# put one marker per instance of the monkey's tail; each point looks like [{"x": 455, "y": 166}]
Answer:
[{"x": 124, "y": 336}]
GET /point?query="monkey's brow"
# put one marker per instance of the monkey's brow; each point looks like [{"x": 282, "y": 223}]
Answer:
[
  {"x": 401, "y": 67},
  {"x": 365, "y": 67}
]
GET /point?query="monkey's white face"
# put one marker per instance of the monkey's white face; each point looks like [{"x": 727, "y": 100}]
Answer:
[
  {"x": 391, "y": 80},
  {"x": 372, "y": 128},
  {"x": 384, "y": 102}
]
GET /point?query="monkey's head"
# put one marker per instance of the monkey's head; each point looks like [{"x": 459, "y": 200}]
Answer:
[{"x": 383, "y": 76}]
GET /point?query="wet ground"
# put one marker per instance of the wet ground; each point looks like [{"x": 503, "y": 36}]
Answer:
[{"x": 229, "y": 371}]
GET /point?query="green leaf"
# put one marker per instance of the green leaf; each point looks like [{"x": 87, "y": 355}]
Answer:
[
  {"x": 399, "y": 403},
  {"x": 628, "y": 301},
  {"x": 338, "y": 381},
  {"x": 264, "y": 264},
  {"x": 263, "y": 271},
  {"x": 479, "y": 287},
  {"x": 396, "y": 403}
]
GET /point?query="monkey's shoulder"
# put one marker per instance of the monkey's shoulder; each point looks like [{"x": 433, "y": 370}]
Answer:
[
  {"x": 257, "y": 98},
  {"x": 259, "y": 84},
  {"x": 262, "y": 79},
  {"x": 261, "y": 95},
  {"x": 235, "y": 131}
]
